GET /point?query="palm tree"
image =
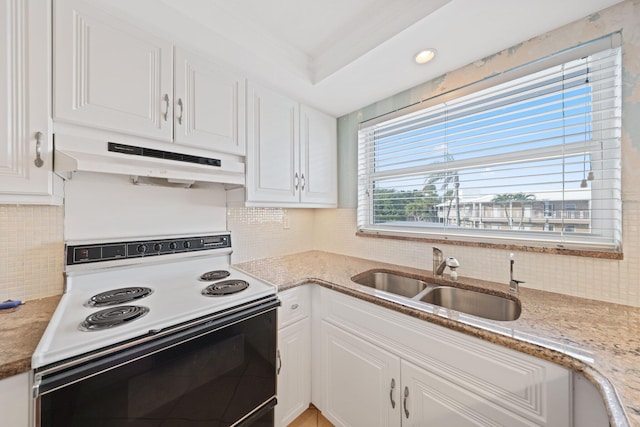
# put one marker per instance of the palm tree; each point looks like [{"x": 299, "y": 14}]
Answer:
[
  {"x": 447, "y": 179},
  {"x": 509, "y": 198}
]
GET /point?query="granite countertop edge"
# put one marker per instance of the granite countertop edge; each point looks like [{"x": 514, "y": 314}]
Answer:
[
  {"x": 21, "y": 329},
  {"x": 614, "y": 405}
]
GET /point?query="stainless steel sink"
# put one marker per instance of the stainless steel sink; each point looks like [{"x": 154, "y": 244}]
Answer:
[
  {"x": 392, "y": 282},
  {"x": 475, "y": 303}
]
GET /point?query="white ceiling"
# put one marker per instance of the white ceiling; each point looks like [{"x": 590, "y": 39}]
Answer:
[{"x": 340, "y": 55}]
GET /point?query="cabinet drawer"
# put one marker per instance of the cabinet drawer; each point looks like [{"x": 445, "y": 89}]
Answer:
[{"x": 296, "y": 305}]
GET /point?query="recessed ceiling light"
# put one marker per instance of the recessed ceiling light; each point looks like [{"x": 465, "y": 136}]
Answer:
[{"x": 425, "y": 56}]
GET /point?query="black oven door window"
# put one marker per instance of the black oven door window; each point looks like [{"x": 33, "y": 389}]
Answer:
[{"x": 195, "y": 379}]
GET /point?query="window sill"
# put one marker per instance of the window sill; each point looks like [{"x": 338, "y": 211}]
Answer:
[{"x": 587, "y": 253}]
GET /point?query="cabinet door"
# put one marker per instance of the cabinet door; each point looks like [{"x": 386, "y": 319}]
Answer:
[
  {"x": 294, "y": 371},
  {"x": 272, "y": 147},
  {"x": 318, "y": 157},
  {"x": 109, "y": 74},
  {"x": 209, "y": 105},
  {"x": 361, "y": 381},
  {"x": 25, "y": 100},
  {"x": 428, "y": 399},
  {"x": 14, "y": 400}
]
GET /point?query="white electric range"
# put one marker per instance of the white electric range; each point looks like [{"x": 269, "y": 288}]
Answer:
[{"x": 133, "y": 299}]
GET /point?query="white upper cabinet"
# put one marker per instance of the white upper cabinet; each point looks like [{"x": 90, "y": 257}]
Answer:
[
  {"x": 209, "y": 105},
  {"x": 318, "y": 157},
  {"x": 109, "y": 74},
  {"x": 25, "y": 144},
  {"x": 272, "y": 147},
  {"x": 112, "y": 76},
  {"x": 291, "y": 153}
]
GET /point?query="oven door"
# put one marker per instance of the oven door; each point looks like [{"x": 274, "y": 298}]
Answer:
[{"x": 219, "y": 371}]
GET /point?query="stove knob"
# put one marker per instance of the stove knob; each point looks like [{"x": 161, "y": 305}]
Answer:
[
  {"x": 142, "y": 249},
  {"x": 173, "y": 246},
  {"x": 186, "y": 245},
  {"x": 157, "y": 247}
]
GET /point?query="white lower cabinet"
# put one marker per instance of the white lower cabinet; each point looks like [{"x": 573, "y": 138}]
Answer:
[
  {"x": 368, "y": 386},
  {"x": 362, "y": 381},
  {"x": 294, "y": 355},
  {"x": 428, "y": 399},
  {"x": 381, "y": 368},
  {"x": 14, "y": 400}
]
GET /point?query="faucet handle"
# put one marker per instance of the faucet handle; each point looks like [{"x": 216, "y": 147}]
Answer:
[{"x": 452, "y": 262}]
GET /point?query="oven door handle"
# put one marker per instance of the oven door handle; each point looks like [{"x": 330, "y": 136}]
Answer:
[{"x": 48, "y": 379}]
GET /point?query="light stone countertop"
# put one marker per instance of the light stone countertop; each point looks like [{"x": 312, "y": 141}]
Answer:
[{"x": 598, "y": 339}]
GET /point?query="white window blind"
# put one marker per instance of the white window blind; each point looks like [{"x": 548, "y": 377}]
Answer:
[{"x": 535, "y": 159}]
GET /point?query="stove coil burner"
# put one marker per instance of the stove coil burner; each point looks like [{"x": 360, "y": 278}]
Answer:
[
  {"x": 118, "y": 296},
  {"x": 210, "y": 276},
  {"x": 111, "y": 317},
  {"x": 226, "y": 287}
]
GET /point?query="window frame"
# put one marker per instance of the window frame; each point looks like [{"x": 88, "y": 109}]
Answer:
[{"x": 366, "y": 224}]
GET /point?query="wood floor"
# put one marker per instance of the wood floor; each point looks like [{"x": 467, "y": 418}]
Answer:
[{"x": 311, "y": 418}]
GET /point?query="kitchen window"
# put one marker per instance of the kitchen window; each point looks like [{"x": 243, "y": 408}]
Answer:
[{"x": 532, "y": 160}]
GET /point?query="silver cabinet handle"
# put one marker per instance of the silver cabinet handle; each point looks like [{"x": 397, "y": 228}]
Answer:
[
  {"x": 296, "y": 181},
  {"x": 393, "y": 386},
  {"x": 294, "y": 306},
  {"x": 167, "y": 104},
  {"x": 406, "y": 394},
  {"x": 279, "y": 363},
  {"x": 304, "y": 181},
  {"x": 39, "y": 140},
  {"x": 181, "y": 110}
]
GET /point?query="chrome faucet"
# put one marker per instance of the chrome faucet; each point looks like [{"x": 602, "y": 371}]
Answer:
[
  {"x": 514, "y": 285},
  {"x": 440, "y": 264},
  {"x": 438, "y": 257}
]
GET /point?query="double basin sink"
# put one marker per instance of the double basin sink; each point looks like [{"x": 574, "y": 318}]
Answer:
[{"x": 476, "y": 303}]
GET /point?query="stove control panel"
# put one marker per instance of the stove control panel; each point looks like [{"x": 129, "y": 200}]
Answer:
[{"x": 81, "y": 254}]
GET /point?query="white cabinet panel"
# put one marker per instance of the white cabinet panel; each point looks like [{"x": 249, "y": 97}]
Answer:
[
  {"x": 318, "y": 157},
  {"x": 296, "y": 305},
  {"x": 588, "y": 407},
  {"x": 24, "y": 108},
  {"x": 361, "y": 381},
  {"x": 14, "y": 400},
  {"x": 209, "y": 105},
  {"x": 291, "y": 153},
  {"x": 294, "y": 354},
  {"x": 109, "y": 74},
  {"x": 294, "y": 371},
  {"x": 272, "y": 147},
  {"x": 428, "y": 399},
  {"x": 532, "y": 390}
]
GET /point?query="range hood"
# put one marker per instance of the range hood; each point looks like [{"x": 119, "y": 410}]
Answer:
[{"x": 170, "y": 162}]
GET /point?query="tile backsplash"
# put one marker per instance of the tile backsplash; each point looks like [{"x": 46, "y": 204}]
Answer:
[
  {"x": 31, "y": 251},
  {"x": 268, "y": 232},
  {"x": 260, "y": 233},
  {"x": 606, "y": 280}
]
